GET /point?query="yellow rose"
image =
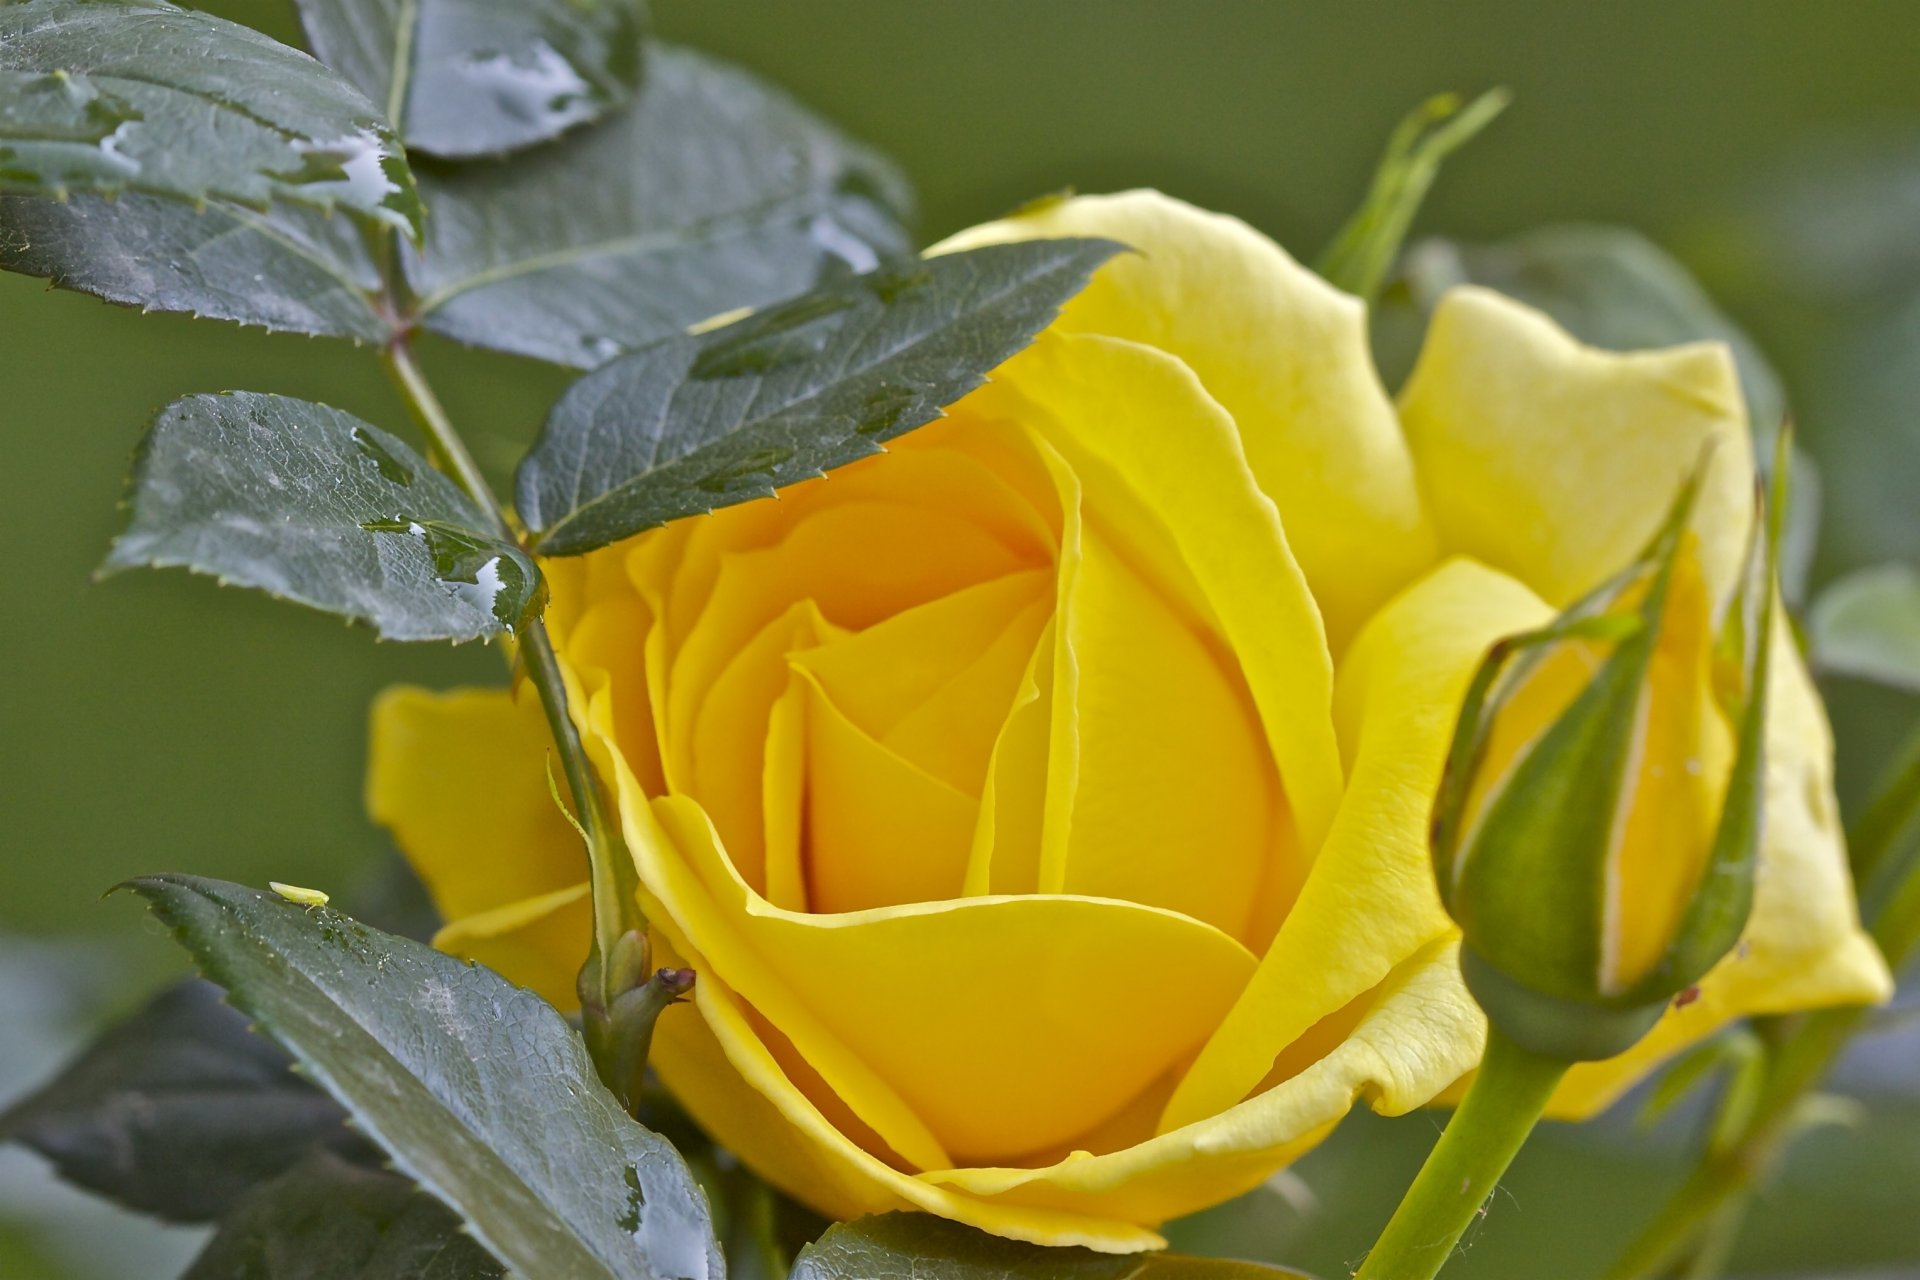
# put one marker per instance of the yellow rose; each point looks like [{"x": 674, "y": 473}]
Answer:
[{"x": 1044, "y": 803}]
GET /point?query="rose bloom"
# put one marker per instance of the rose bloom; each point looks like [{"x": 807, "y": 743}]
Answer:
[{"x": 1044, "y": 802}]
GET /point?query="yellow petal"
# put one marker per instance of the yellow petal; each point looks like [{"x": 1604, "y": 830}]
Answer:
[
  {"x": 1555, "y": 462},
  {"x": 732, "y": 1084},
  {"x": 1414, "y": 1028},
  {"x": 946, "y": 477},
  {"x": 1803, "y": 947},
  {"x": 537, "y": 942},
  {"x": 726, "y": 768},
  {"x": 935, "y": 683},
  {"x": 1284, "y": 353},
  {"x": 1090, "y": 1000},
  {"x": 1161, "y": 464},
  {"x": 859, "y": 562},
  {"x": 1685, "y": 754},
  {"x": 460, "y": 778},
  {"x": 880, "y": 830},
  {"x": 1175, "y": 801},
  {"x": 1005, "y": 857},
  {"x": 1370, "y": 901}
]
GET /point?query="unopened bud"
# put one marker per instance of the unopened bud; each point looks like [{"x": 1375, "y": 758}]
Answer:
[{"x": 1597, "y": 825}]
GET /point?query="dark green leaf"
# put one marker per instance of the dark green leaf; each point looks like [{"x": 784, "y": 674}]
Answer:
[
  {"x": 478, "y": 1089},
  {"x": 137, "y": 95},
  {"x": 711, "y": 192},
  {"x": 313, "y": 505},
  {"x": 479, "y": 77},
  {"x": 285, "y": 269},
  {"x": 918, "y": 1246},
  {"x": 1868, "y": 625},
  {"x": 177, "y": 1111},
  {"x": 326, "y": 1219},
  {"x": 706, "y": 421}
]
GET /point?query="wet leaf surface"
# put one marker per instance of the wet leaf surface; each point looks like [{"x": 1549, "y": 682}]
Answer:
[
  {"x": 478, "y": 1089},
  {"x": 702, "y": 422},
  {"x": 477, "y": 77},
  {"x": 711, "y": 192},
  {"x": 310, "y": 504},
  {"x": 106, "y": 96},
  {"x": 287, "y": 269}
]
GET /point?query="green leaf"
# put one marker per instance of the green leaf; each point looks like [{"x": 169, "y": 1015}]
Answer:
[
  {"x": 287, "y": 269},
  {"x": 712, "y": 192},
  {"x": 706, "y": 421},
  {"x": 480, "y": 77},
  {"x": 326, "y": 1219},
  {"x": 1867, "y": 625},
  {"x": 478, "y": 1089},
  {"x": 311, "y": 504},
  {"x": 177, "y": 1111},
  {"x": 1613, "y": 288},
  {"x": 918, "y": 1246},
  {"x": 106, "y": 96},
  {"x": 1364, "y": 249}
]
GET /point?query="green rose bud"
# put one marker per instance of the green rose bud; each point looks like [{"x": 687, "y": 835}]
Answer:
[{"x": 1597, "y": 826}]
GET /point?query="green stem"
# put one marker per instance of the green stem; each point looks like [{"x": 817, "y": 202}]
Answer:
[
  {"x": 449, "y": 450},
  {"x": 1718, "y": 1186},
  {"x": 609, "y": 869},
  {"x": 1502, "y": 1105}
]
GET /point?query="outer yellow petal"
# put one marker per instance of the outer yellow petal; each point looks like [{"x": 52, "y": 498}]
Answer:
[
  {"x": 1090, "y": 1000},
  {"x": 460, "y": 779},
  {"x": 1803, "y": 947},
  {"x": 1555, "y": 462},
  {"x": 1370, "y": 901},
  {"x": 1391, "y": 1045},
  {"x": 734, "y": 1087},
  {"x": 1285, "y": 354},
  {"x": 1156, "y": 452}
]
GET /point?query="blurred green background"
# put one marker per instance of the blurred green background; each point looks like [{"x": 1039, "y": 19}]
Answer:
[{"x": 156, "y": 722}]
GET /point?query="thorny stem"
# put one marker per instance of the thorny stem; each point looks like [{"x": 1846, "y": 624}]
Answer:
[
  {"x": 610, "y": 870},
  {"x": 1699, "y": 1218}
]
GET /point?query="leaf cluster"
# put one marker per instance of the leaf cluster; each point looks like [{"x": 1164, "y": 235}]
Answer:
[{"x": 541, "y": 179}]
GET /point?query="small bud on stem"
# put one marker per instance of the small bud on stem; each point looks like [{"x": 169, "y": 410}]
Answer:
[{"x": 621, "y": 1036}]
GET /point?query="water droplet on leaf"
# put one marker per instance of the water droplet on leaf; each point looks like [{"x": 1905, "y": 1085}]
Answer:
[{"x": 484, "y": 573}]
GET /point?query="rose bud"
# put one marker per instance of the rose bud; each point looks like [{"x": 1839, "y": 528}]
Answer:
[{"x": 1597, "y": 826}]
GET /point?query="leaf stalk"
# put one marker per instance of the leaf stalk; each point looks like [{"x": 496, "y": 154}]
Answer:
[{"x": 616, "y": 908}]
